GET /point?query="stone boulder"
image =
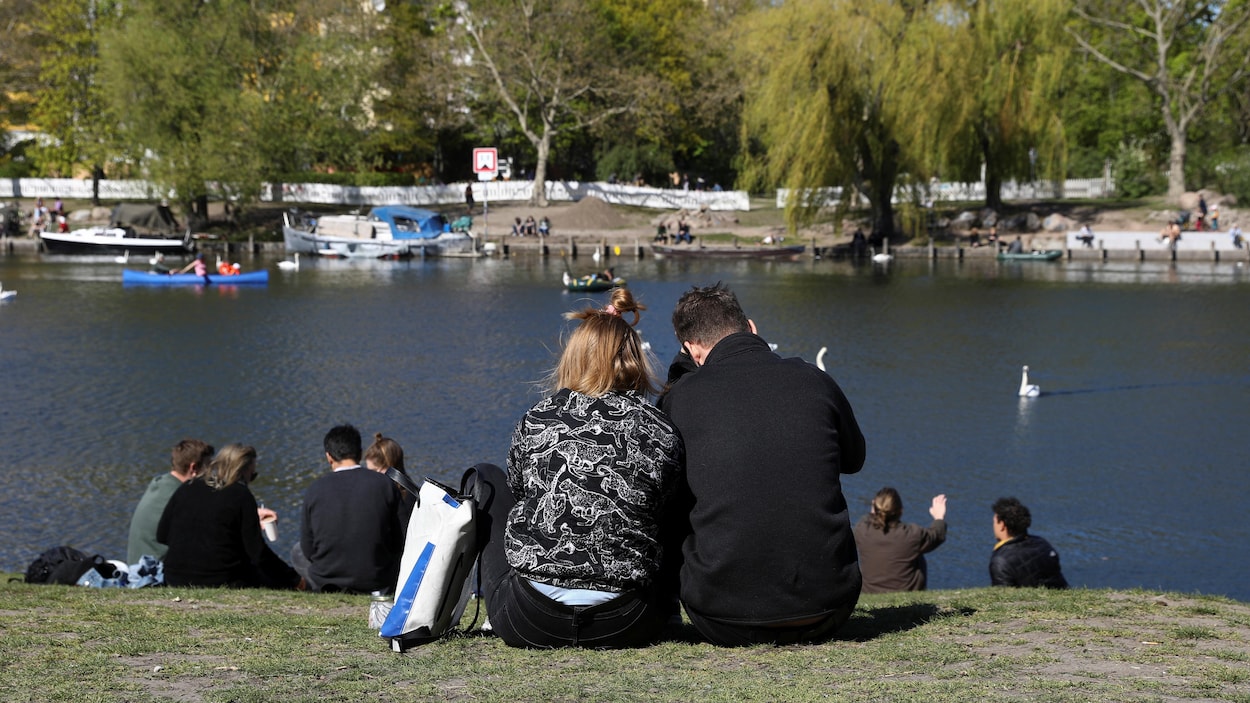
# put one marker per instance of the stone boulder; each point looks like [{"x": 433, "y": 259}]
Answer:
[{"x": 1057, "y": 223}]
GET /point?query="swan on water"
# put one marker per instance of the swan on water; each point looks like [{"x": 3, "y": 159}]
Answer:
[
  {"x": 124, "y": 258},
  {"x": 6, "y": 294},
  {"x": 820, "y": 358},
  {"x": 1028, "y": 390},
  {"x": 290, "y": 265},
  {"x": 881, "y": 258}
]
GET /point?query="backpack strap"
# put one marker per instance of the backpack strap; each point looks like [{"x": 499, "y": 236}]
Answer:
[{"x": 401, "y": 479}]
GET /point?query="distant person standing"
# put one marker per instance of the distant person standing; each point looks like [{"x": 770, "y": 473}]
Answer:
[
  {"x": 1021, "y": 559},
  {"x": 468, "y": 197},
  {"x": 891, "y": 552}
]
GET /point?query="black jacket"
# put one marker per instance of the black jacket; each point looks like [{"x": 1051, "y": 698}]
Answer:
[
  {"x": 766, "y": 440},
  {"x": 1027, "y": 560}
]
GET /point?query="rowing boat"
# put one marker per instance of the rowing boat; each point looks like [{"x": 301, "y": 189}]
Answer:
[
  {"x": 151, "y": 278},
  {"x": 727, "y": 252}
]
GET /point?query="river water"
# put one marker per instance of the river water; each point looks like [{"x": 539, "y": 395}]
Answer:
[{"x": 1132, "y": 459}]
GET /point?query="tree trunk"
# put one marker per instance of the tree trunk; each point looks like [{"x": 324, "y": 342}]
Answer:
[
  {"x": 993, "y": 189},
  {"x": 97, "y": 172},
  {"x": 1176, "y": 165},
  {"x": 538, "y": 194}
]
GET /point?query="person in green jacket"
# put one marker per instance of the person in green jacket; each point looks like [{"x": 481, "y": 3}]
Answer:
[{"x": 188, "y": 458}]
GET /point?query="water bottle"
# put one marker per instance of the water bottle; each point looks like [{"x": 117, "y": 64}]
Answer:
[{"x": 379, "y": 607}]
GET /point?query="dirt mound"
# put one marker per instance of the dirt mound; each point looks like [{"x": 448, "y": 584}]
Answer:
[{"x": 589, "y": 213}]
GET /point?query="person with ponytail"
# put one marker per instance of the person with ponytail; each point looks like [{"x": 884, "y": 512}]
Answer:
[
  {"x": 891, "y": 552},
  {"x": 572, "y": 528}
]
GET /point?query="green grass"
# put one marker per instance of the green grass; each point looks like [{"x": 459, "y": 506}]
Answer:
[{"x": 78, "y": 644}]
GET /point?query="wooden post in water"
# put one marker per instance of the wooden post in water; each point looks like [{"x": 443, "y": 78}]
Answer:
[
  {"x": 637, "y": 249},
  {"x": 1141, "y": 255},
  {"x": 1102, "y": 247},
  {"x": 1215, "y": 253},
  {"x": 572, "y": 247}
]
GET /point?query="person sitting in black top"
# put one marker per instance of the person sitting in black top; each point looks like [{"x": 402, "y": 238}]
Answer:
[
  {"x": 769, "y": 556},
  {"x": 1021, "y": 559},
  {"x": 351, "y": 536},
  {"x": 213, "y": 532}
]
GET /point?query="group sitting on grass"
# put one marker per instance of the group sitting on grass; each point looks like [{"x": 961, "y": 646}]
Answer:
[{"x": 613, "y": 512}]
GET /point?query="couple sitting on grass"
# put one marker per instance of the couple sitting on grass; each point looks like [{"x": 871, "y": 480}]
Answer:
[{"x": 726, "y": 499}]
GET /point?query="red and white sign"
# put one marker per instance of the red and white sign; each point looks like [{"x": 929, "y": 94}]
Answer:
[{"x": 486, "y": 160}]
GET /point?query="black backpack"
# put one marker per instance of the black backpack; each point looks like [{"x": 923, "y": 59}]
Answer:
[{"x": 59, "y": 565}]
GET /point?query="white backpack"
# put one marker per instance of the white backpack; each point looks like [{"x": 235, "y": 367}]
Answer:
[{"x": 439, "y": 554}]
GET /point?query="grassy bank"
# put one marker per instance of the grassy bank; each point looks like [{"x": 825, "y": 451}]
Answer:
[{"x": 78, "y": 644}]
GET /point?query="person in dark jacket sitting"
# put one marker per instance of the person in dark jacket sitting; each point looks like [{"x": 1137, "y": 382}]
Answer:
[
  {"x": 768, "y": 556},
  {"x": 1021, "y": 559}
]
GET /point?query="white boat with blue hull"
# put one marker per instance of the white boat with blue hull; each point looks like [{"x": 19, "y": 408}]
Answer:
[{"x": 389, "y": 231}]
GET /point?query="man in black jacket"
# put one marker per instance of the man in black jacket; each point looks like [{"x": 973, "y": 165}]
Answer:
[
  {"x": 1021, "y": 559},
  {"x": 769, "y": 557}
]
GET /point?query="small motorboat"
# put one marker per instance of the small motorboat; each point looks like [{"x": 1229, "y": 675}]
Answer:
[
  {"x": 153, "y": 278},
  {"x": 594, "y": 283},
  {"x": 1037, "y": 255}
]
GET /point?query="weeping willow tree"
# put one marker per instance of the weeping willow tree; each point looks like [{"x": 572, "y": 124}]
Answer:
[
  {"x": 1011, "y": 56},
  {"x": 841, "y": 94}
]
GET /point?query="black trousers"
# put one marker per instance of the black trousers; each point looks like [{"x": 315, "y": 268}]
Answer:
[
  {"x": 729, "y": 634},
  {"x": 523, "y": 617}
]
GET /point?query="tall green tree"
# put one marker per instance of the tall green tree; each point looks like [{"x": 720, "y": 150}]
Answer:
[
  {"x": 71, "y": 105},
  {"x": 833, "y": 86},
  {"x": 422, "y": 104},
  {"x": 688, "y": 118},
  {"x": 1010, "y": 56},
  {"x": 19, "y": 65},
  {"x": 1183, "y": 51},
  {"x": 545, "y": 63},
  {"x": 175, "y": 72}
]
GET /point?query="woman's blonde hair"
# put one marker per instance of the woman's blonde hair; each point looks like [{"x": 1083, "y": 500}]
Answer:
[
  {"x": 233, "y": 463},
  {"x": 887, "y": 508},
  {"x": 605, "y": 352},
  {"x": 385, "y": 452}
]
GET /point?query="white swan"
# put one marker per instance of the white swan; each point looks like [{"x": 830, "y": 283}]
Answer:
[
  {"x": 881, "y": 258},
  {"x": 6, "y": 294},
  {"x": 290, "y": 265},
  {"x": 1028, "y": 390},
  {"x": 124, "y": 258},
  {"x": 820, "y": 358}
]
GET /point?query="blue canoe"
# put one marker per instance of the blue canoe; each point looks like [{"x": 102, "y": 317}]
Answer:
[{"x": 150, "y": 278}]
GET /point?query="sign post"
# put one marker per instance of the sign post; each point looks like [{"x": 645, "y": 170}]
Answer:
[{"x": 486, "y": 166}]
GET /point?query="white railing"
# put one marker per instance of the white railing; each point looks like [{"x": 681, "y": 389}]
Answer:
[
  {"x": 328, "y": 194},
  {"x": 971, "y": 192}
]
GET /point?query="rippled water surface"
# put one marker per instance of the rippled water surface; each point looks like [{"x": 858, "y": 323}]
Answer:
[{"x": 1131, "y": 460}]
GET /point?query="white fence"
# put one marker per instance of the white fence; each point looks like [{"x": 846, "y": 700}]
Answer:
[
  {"x": 326, "y": 194},
  {"x": 971, "y": 192}
]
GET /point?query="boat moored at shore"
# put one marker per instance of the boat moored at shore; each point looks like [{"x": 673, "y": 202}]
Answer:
[{"x": 390, "y": 231}]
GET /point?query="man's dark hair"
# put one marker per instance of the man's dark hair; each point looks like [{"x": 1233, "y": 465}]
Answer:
[
  {"x": 343, "y": 442},
  {"x": 708, "y": 315},
  {"x": 1014, "y": 516}
]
